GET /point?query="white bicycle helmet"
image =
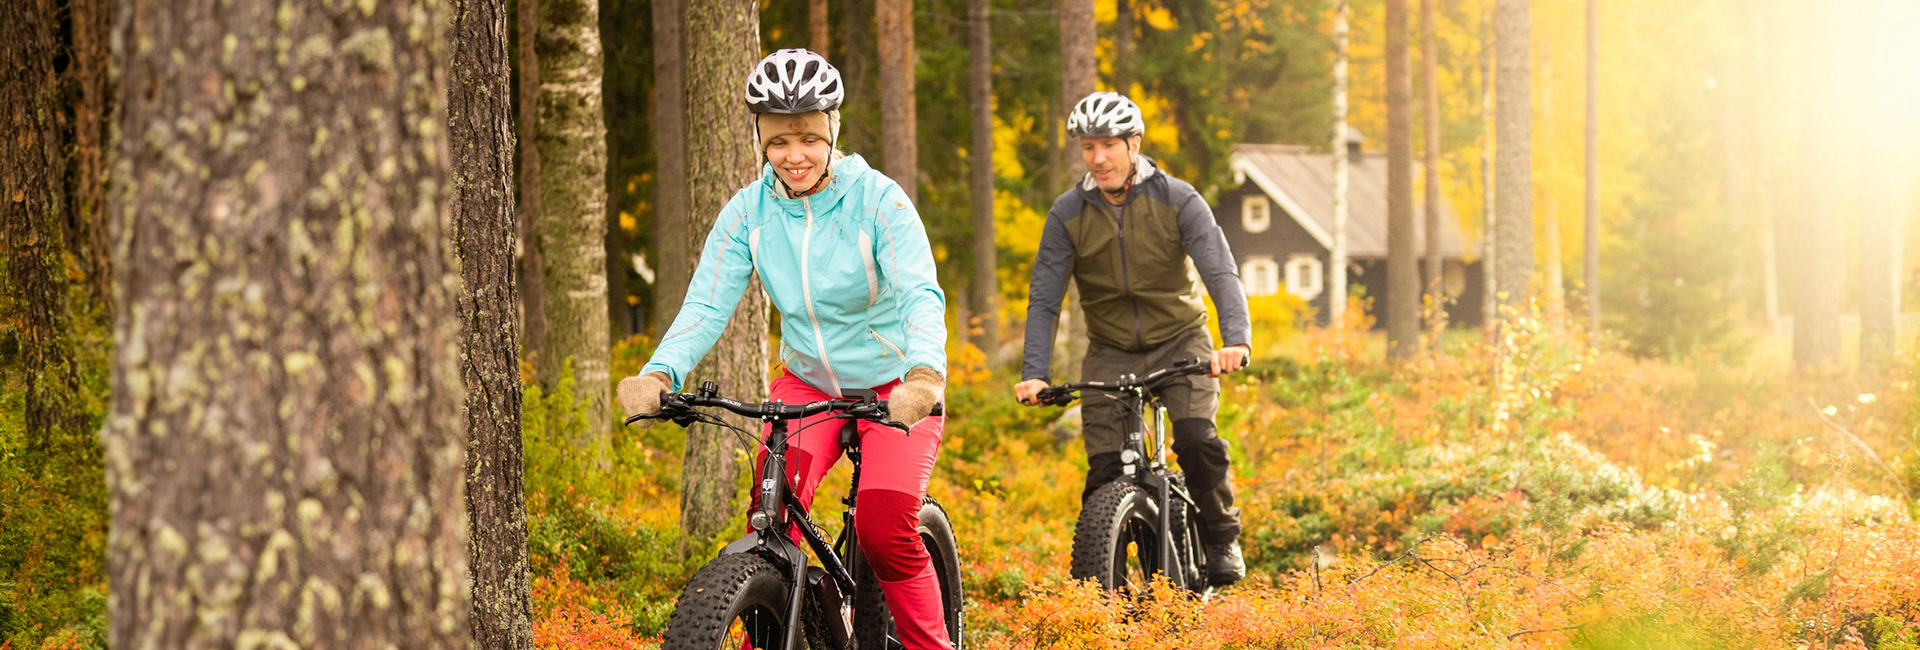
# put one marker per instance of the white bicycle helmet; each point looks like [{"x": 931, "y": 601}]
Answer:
[
  {"x": 1105, "y": 115},
  {"x": 794, "y": 81}
]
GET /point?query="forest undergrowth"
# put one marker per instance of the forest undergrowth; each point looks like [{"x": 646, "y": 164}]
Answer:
[
  {"x": 1543, "y": 493},
  {"x": 1554, "y": 495}
]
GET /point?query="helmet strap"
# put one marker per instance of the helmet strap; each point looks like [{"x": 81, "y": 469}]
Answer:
[{"x": 1133, "y": 171}]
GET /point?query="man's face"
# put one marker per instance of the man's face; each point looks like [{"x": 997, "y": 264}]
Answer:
[{"x": 1109, "y": 160}]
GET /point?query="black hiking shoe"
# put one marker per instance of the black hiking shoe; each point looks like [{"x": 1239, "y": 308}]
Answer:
[{"x": 1224, "y": 565}]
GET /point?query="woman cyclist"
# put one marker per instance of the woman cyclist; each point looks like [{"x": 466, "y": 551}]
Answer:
[{"x": 844, "y": 257}]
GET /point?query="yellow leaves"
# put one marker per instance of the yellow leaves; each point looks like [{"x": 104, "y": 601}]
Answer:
[{"x": 1160, "y": 19}]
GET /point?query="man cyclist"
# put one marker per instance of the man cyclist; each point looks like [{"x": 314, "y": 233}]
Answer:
[{"x": 1124, "y": 234}]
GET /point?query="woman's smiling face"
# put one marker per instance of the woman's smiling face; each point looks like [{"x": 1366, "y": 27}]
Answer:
[{"x": 799, "y": 159}]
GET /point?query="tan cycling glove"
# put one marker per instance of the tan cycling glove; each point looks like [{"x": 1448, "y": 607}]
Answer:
[
  {"x": 640, "y": 394},
  {"x": 914, "y": 398}
]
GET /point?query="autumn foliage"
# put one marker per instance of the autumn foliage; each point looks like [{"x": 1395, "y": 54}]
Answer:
[{"x": 1544, "y": 491}]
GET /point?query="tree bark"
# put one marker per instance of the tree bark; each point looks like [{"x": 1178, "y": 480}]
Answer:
[
  {"x": 572, "y": 142},
  {"x": 985, "y": 281},
  {"x": 1489, "y": 219},
  {"x": 1337, "y": 258},
  {"x": 1886, "y": 199},
  {"x": 1816, "y": 300},
  {"x": 285, "y": 451},
  {"x": 532, "y": 285},
  {"x": 1123, "y": 46},
  {"x": 723, "y": 38},
  {"x": 1592, "y": 239},
  {"x": 819, "y": 34},
  {"x": 1078, "y": 34},
  {"x": 33, "y": 290},
  {"x": 480, "y": 139},
  {"x": 1430, "y": 81},
  {"x": 1403, "y": 263},
  {"x": 1078, "y": 75},
  {"x": 87, "y": 202},
  {"x": 672, "y": 263},
  {"x": 1513, "y": 153},
  {"x": 860, "y": 113},
  {"x": 897, "y": 127}
]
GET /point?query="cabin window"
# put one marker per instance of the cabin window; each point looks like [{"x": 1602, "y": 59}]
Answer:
[
  {"x": 1305, "y": 276},
  {"x": 1453, "y": 279},
  {"x": 1256, "y": 213},
  {"x": 1261, "y": 275}
]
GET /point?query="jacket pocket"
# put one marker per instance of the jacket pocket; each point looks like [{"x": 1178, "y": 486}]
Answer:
[{"x": 886, "y": 345}]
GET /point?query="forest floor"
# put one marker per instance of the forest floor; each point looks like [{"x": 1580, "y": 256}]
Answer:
[{"x": 1559, "y": 495}]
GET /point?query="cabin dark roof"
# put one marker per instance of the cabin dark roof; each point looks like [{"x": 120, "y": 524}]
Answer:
[{"x": 1301, "y": 184}]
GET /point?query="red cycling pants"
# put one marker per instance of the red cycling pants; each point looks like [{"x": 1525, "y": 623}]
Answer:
[{"x": 893, "y": 478}]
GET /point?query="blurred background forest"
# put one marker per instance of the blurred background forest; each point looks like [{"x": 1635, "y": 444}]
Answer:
[{"x": 1728, "y": 460}]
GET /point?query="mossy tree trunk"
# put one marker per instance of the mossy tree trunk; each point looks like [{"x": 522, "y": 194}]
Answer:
[
  {"x": 723, "y": 38},
  {"x": 36, "y": 333},
  {"x": 285, "y": 447},
  {"x": 485, "y": 230},
  {"x": 572, "y": 226}
]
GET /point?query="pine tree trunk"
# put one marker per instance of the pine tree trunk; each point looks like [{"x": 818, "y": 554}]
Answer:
[
  {"x": 1592, "y": 238},
  {"x": 985, "y": 280},
  {"x": 1403, "y": 263},
  {"x": 87, "y": 203},
  {"x": 1337, "y": 258},
  {"x": 1886, "y": 197},
  {"x": 819, "y": 34},
  {"x": 285, "y": 448},
  {"x": 572, "y": 227},
  {"x": 1123, "y": 46},
  {"x": 860, "y": 114},
  {"x": 1077, "y": 80},
  {"x": 1817, "y": 249},
  {"x": 672, "y": 263},
  {"x": 532, "y": 285},
  {"x": 1513, "y": 157},
  {"x": 894, "y": 19},
  {"x": 1489, "y": 219},
  {"x": 723, "y": 38},
  {"x": 1078, "y": 75},
  {"x": 33, "y": 288},
  {"x": 480, "y": 140},
  {"x": 1430, "y": 81}
]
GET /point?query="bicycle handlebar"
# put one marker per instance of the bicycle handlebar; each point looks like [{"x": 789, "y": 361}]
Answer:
[
  {"x": 1062, "y": 394},
  {"x": 680, "y": 406}
]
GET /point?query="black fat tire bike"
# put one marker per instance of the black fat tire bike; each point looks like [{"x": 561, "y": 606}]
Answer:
[
  {"x": 762, "y": 592},
  {"x": 1143, "y": 524}
]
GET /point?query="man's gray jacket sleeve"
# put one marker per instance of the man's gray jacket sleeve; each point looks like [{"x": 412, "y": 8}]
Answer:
[
  {"x": 1207, "y": 245},
  {"x": 1052, "y": 266}
]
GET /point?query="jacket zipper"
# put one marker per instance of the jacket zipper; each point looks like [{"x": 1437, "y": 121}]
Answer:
[
  {"x": 886, "y": 344},
  {"x": 806, "y": 293},
  {"x": 1126, "y": 284}
]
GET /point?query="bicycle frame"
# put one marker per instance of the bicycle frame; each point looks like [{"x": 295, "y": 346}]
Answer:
[
  {"x": 1136, "y": 400},
  {"x": 1136, "y": 395},
  {"x": 777, "y": 509}
]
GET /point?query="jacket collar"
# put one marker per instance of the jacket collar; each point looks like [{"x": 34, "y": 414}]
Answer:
[{"x": 844, "y": 171}]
